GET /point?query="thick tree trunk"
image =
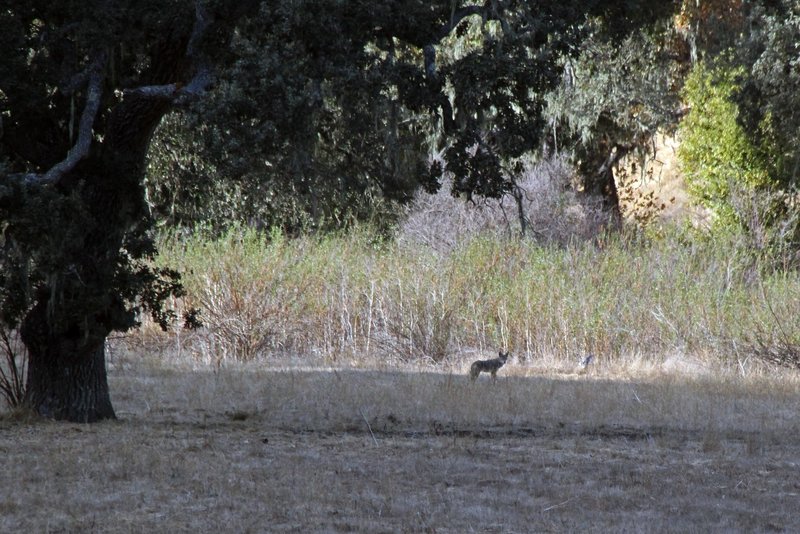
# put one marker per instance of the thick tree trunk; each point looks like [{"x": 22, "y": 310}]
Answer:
[
  {"x": 82, "y": 303},
  {"x": 66, "y": 371},
  {"x": 73, "y": 390}
]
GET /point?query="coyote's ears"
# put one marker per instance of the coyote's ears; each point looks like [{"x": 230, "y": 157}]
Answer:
[{"x": 503, "y": 355}]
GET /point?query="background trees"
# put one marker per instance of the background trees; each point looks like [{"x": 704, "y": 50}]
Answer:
[
  {"x": 315, "y": 103},
  {"x": 612, "y": 99},
  {"x": 315, "y": 127}
]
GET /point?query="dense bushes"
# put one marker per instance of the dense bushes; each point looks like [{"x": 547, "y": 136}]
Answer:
[
  {"x": 732, "y": 165},
  {"x": 718, "y": 157}
]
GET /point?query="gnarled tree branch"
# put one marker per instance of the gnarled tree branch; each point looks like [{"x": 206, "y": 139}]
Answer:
[
  {"x": 201, "y": 24},
  {"x": 177, "y": 93},
  {"x": 456, "y": 18},
  {"x": 92, "y": 77},
  {"x": 174, "y": 92}
]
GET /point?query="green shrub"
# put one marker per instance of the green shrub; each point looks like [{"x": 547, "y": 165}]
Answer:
[{"x": 716, "y": 153}]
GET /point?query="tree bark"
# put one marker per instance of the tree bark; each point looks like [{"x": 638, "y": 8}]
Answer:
[
  {"x": 66, "y": 371},
  {"x": 73, "y": 391}
]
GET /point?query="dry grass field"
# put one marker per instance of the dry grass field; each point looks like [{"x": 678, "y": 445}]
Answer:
[{"x": 276, "y": 448}]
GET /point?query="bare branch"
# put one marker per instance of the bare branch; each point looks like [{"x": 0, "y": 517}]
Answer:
[
  {"x": 174, "y": 92},
  {"x": 92, "y": 77},
  {"x": 457, "y": 16},
  {"x": 76, "y": 81},
  {"x": 429, "y": 53},
  {"x": 201, "y": 23}
]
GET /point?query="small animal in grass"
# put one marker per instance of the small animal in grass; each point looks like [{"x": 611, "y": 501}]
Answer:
[
  {"x": 488, "y": 366},
  {"x": 583, "y": 363}
]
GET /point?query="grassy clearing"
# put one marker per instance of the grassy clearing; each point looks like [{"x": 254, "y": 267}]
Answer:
[{"x": 254, "y": 447}]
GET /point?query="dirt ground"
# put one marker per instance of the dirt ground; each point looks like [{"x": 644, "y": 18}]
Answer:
[{"x": 386, "y": 451}]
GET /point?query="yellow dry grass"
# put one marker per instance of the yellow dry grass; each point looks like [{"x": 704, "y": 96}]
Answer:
[{"x": 280, "y": 447}]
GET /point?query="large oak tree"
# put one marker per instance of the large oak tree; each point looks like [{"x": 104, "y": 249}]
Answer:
[{"x": 82, "y": 87}]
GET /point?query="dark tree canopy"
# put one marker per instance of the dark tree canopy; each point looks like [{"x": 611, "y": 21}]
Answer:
[
  {"x": 319, "y": 98},
  {"x": 350, "y": 104}
]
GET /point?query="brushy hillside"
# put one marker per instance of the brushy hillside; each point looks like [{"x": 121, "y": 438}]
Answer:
[{"x": 360, "y": 297}]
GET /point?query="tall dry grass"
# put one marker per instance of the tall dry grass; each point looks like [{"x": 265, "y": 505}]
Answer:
[{"x": 357, "y": 296}]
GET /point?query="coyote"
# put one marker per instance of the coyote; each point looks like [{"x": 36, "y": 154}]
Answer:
[
  {"x": 488, "y": 366},
  {"x": 584, "y": 362}
]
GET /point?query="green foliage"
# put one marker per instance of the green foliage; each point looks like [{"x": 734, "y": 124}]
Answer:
[
  {"x": 717, "y": 155},
  {"x": 741, "y": 137},
  {"x": 51, "y": 246},
  {"x": 80, "y": 249},
  {"x": 187, "y": 184},
  {"x": 769, "y": 97},
  {"x": 617, "y": 93},
  {"x": 295, "y": 138}
]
